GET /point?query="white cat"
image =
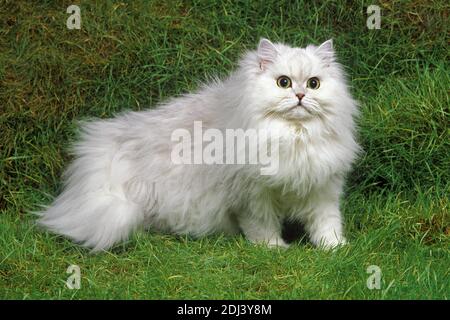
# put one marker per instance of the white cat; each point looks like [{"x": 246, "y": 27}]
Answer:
[{"x": 123, "y": 177}]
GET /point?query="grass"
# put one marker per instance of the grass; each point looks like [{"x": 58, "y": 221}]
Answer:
[{"x": 131, "y": 55}]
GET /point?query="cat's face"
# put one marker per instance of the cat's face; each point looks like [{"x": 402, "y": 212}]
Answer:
[{"x": 297, "y": 84}]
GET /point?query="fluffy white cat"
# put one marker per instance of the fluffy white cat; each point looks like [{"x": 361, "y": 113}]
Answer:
[{"x": 123, "y": 177}]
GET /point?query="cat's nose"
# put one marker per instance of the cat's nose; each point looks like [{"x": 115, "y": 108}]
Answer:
[{"x": 300, "y": 96}]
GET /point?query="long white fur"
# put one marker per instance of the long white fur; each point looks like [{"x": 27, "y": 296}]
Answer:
[{"x": 122, "y": 177}]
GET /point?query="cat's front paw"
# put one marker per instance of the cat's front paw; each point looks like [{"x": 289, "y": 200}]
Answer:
[
  {"x": 276, "y": 242},
  {"x": 329, "y": 242}
]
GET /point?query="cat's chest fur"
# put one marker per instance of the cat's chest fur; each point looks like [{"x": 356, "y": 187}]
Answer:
[{"x": 307, "y": 162}]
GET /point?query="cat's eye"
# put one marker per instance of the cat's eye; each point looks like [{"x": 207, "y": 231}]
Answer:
[
  {"x": 313, "y": 83},
  {"x": 284, "y": 82}
]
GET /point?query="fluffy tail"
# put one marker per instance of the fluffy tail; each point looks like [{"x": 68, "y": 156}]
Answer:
[
  {"x": 93, "y": 209},
  {"x": 95, "y": 220}
]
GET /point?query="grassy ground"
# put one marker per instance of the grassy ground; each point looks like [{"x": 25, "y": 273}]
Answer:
[{"x": 130, "y": 55}]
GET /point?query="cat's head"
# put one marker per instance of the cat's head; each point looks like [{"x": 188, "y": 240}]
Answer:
[{"x": 296, "y": 84}]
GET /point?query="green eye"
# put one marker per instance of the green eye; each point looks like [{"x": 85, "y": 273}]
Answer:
[
  {"x": 313, "y": 83},
  {"x": 284, "y": 82}
]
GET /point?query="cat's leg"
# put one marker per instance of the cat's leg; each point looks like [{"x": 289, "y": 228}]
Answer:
[
  {"x": 324, "y": 222},
  {"x": 260, "y": 224},
  {"x": 324, "y": 226}
]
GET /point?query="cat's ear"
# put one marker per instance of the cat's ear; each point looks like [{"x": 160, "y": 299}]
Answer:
[
  {"x": 267, "y": 53},
  {"x": 326, "y": 51}
]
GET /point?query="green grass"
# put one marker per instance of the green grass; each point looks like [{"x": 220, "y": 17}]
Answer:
[{"x": 131, "y": 55}]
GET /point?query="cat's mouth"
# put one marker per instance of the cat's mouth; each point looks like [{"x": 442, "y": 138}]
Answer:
[
  {"x": 303, "y": 106},
  {"x": 295, "y": 112},
  {"x": 298, "y": 107},
  {"x": 301, "y": 109}
]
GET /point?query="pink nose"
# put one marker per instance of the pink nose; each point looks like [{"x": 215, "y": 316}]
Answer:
[{"x": 300, "y": 96}]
